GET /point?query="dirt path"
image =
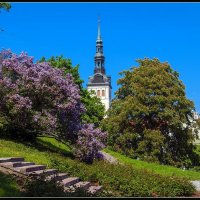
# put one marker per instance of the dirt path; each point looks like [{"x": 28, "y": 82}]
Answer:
[
  {"x": 109, "y": 158},
  {"x": 196, "y": 194}
]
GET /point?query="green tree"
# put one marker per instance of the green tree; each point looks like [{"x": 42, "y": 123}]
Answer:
[
  {"x": 94, "y": 108},
  {"x": 5, "y": 6},
  {"x": 150, "y": 117}
]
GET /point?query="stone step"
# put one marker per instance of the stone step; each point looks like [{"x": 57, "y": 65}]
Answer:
[
  {"x": 196, "y": 184},
  {"x": 93, "y": 189},
  {"x": 58, "y": 177},
  {"x": 11, "y": 159},
  {"x": 70, "y": 181},
  {"x": 30, "y": 168},
  {"x": 82, "y": 184},
  {"x": 45, "y": 172},
  {"x": 16, "y": 164}
]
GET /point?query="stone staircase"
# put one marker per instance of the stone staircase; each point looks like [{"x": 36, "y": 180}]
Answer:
[{"x": 17, "y": 166}]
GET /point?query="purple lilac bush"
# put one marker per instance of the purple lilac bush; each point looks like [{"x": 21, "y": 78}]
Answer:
[
  {"x": 89, "y": 142},
  {"x": 36, "y": 98}
]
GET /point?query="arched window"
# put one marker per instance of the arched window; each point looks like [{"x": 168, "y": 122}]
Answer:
[
  {"x": 103, "y": 93},
  {"x": 98, "y": 93}
]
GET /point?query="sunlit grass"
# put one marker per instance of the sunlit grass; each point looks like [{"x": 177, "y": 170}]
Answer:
[
  {"x": 54, "y": 145},
  {"x": 156, "y": 168}
]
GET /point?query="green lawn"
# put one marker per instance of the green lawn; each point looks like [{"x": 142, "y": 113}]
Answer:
[
  {"x": 41, "y": 152},
  {"x": 52, "y": 144},
  {"x": 8, "y": 186},
  {"x": 156, "y": 168}
]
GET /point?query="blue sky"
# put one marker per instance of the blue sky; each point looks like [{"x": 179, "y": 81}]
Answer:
[{"x": 167, "y": 31}]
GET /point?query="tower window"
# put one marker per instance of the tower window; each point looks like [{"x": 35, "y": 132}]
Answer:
[
  {"x": 98, "y": 63},
  {"x": 103, "y": 93},
  {"x": 98, "y": 93}
]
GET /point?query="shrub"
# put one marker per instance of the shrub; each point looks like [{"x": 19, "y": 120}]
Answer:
[
  {"x": 39, "y": 99},
  {"x": 89, "y": 142},
  {"x": 125, "y": 181}
]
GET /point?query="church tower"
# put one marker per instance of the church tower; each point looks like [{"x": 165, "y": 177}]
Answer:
[{"x": 100, "y": 83}]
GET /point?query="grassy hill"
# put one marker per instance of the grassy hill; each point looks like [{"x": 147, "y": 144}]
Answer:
[{"x": 133, "y": 178}]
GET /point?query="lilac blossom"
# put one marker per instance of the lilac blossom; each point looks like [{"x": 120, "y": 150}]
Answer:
[
  {"x": 89, "y": 142},
  {"x": 37, "y": 98}
]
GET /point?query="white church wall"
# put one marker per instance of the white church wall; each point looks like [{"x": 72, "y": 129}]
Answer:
[{"x": 104, "y": 99}]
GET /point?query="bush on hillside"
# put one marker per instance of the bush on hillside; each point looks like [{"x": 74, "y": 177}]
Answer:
[
  {"x": 89, "y": 142},
  {"x": 38, "y": 99},
  {"x": 126, "y": 181}
]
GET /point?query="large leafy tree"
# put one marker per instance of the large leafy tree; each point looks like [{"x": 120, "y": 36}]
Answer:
[
  {"x": 151, "y": 118},
  {"x": 94, "y": 108}
]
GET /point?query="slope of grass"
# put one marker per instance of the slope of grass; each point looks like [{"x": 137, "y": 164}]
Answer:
[
  {"x": 8, "y": 186},
  {"x": 122, "y": 180},
  {"x": 41, "y": 152},
  {"x": 155, "y": 168},
  {"x": 52, "y": 144}
]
